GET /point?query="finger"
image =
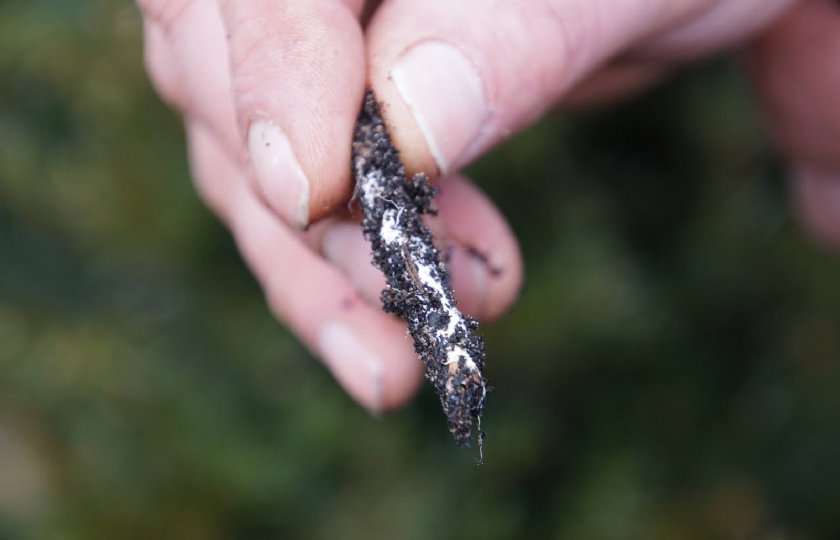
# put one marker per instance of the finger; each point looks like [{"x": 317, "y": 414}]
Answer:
[
  {"x": 187, "y": 58},
  {"x": 343, "y": 244},
  {"x": 816, "y": 196},
  {"x": 720, "y": 26},
  {"x": 365, "y": 349},
  {"x": 484, "y": 261},
  {"x": 197, "y": 39},
  {"x": 298, "y": 77},
  {"x": 213, "y": 172},
  {"x": 485, "y": 255},
  {"x": 162, "y": 65},
  {"x": 797, "y": 76},
  {"x": 457, "y": 77},
  {"x": 796, "y": 73}
]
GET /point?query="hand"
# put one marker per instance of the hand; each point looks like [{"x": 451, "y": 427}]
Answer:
[{"x": 270, "y": 89}]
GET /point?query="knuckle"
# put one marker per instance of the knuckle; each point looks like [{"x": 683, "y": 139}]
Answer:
[
  {"x": 570, "y": 44},
  {"x": 161, "y": 66},
  {"x": 166, "y": 13}
]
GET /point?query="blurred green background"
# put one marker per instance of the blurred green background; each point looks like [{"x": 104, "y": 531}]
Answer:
[{"x": 670, "y": 372}]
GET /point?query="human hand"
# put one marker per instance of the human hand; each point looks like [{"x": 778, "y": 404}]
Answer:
[{"x": 270, "y": 90}]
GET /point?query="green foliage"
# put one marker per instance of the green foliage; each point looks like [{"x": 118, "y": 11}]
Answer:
[{"x": 671, "y": 370}]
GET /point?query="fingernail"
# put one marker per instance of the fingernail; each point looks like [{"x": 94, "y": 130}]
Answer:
[
  {"x": 444, "y": 91},
  {"x": 357, "y": 368},
  {"x": 280, "y": 176}
]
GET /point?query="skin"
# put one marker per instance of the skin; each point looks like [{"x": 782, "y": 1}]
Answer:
[{"x": 303, "y": 66}]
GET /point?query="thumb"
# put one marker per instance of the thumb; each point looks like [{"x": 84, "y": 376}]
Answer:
[{"x": 457, "y": 77}]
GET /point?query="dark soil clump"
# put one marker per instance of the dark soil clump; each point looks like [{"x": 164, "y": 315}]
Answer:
[{"x": 418, "y": 288}]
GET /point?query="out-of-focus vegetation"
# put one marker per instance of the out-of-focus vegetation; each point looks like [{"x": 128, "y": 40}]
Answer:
[{"x": 672, "y": 370}]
